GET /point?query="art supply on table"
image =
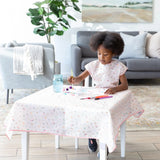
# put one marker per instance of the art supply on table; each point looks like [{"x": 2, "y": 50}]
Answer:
[
  {"x": 87, "y": 98},
  {"x": 58, "y": 83},
  {"x": 67, "y": 89},
  {"x": 97, "y": 97},
  {"x": 103, "y": 97},
  {"x": 72, "y": 76}
]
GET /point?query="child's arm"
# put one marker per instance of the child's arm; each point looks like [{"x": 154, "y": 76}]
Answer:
[
  {"x": 123, "y": 86},
  {"x": 78, "y": 79}
]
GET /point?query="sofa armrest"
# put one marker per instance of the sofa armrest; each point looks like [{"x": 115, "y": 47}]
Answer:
[{"x": 76, "y": 57}]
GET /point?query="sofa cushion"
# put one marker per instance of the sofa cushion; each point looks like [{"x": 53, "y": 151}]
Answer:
[
  {"x": 134, "y": 46},
  {"x": 150, "y": 64},
  {"x": 123, "y": 61},
  {"x": 153, "y": 45}
]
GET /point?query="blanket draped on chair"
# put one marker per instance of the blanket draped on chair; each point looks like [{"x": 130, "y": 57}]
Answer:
[{"x": 28, "y": 60}]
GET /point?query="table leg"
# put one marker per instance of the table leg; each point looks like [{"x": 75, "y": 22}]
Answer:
[
  {"x": 103, "y": 151},
  {"x": 57, "y": 143},
  {"x": 76, "y": 143},
  {"x": 86, "y": 82},
  {"x": 25, "y": 145},
  {"x": 7, "y": 100},
  {"x": 123, "y": 138}
]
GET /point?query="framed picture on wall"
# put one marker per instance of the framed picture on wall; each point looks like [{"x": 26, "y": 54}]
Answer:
[{"x": 117, "y": 11}]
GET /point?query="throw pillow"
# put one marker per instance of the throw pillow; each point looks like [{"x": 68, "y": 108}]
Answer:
[
  {"x": 153, "y": 45},
  {"x": 134, "y": 46},
  {"x": 11, "y": 44},
  {"x": 14, "y": 43}
]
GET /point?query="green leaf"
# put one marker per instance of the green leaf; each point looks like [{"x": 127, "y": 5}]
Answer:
[
  {"x": 52, "y": 33},
  {"x": 39, "y": 31},
  {"x": 49, "y": 20},
  {"x": 74, "y": 0},
  {"x": 64, "y": 7},
  {"x": 36, "y": 22},
  {"x": 69, "y": 16},
  {"x": 60, "y": 13},
  {"x": 38, "y": 4},
  {"x": 76, "y": 7},
  {"x": 29, "y": 14},
  {"x": 34, "y": 12},
  {"x": 65, "y": 21},
  {"x": 64, "y": 27},
  {"x": 54, "y": 9},
  {"x": 59, "y": 32},
  {"x": 47, "y": 1},
  {"x": 35, "y": 30},
  {"x": 41, "y": 11}
]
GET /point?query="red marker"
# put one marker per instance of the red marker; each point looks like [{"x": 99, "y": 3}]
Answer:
[
  {"x": 88, "y": 98},
  {"x": 98, "y": 97}
]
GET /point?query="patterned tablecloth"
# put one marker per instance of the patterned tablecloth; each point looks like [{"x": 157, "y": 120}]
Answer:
[{"x": 65, "y": 114}]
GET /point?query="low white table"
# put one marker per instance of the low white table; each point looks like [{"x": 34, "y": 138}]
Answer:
[{"x": 65, "y": 114}]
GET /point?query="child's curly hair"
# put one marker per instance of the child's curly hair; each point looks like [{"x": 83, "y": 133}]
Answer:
[{"x": 110, "y": 40}]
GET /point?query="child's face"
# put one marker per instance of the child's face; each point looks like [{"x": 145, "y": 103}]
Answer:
[{"x": 104, "y": 55}]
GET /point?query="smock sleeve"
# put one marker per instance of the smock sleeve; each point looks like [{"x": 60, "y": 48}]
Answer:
[
  {"x": 123, "y": 69},
  {"x": 90, "y": 67}
]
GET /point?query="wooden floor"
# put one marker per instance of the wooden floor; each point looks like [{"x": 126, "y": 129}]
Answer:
[{"x": 140, "y": 145}]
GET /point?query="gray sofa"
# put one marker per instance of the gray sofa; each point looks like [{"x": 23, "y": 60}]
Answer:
[
  {"x": 14, "y": 81},
  {"x": 138, "y": 68}
]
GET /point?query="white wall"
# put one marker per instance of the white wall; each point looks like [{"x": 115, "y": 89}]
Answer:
[{"x": 15, "y": 25}]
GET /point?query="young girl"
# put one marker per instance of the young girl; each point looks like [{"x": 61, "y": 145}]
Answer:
[{"x": 105, "y": 72}]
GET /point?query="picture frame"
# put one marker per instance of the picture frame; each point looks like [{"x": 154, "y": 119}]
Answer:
[{"x": 117, "y": 11}]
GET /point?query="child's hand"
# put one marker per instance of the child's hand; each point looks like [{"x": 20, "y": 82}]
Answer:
[
  {"x": 110, "y": 91},
  {"x": 78, "y": 79},
  {"x": 73, "y": 80},
  {"x": 70, "y": 79}
]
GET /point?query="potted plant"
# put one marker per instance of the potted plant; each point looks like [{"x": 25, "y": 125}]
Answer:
[{"x": 51, "y": 17}]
